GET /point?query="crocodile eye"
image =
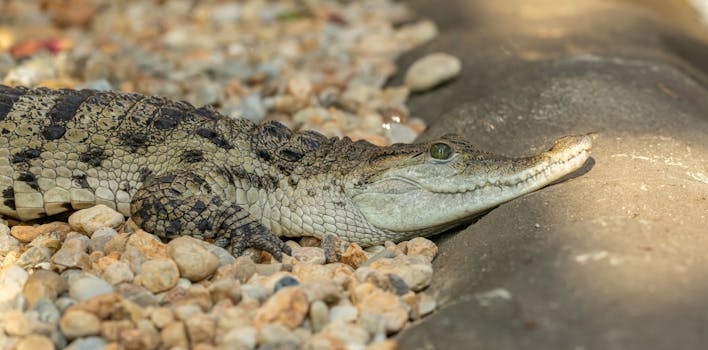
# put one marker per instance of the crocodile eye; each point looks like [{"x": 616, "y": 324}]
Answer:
[{"x": 440, "y": 151}]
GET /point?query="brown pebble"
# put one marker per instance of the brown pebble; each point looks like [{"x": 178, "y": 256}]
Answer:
[
  {"x": 111, "y": 329},
  {"x": 422, "y": 246},
  {"x": 194, "y": 262},
  {"x": 158, "y": 275},
  {"x": 354, "y": 256},
  {"x": 288, "y": 307},
  {"x": 103, "y": 305},
  {"x": 25, "y": 234},
  {"x": 174, "y": 335},
  {"x": 388, "y": 344},
  {"x": 35, "y": 342},
  {"x": 79, "y": 323},
  {"x": 241, "y": 269},
  {"x": 371, "y": 299},
  {"x": 201, "y": 328},
  {"x": 310, "y": 242},
  {"x": 43, "y": 284}
]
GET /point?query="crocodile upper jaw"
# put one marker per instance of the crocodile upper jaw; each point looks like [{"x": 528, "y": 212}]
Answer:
[{"x": 400, "y": 203}]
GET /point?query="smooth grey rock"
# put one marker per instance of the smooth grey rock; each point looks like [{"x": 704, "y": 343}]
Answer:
[
  {"x": 610, "y": 258},
  {"x": 99, "y": 239},
  {"x": 87, "y": 287},
  {"x": 88, "y": 343}
]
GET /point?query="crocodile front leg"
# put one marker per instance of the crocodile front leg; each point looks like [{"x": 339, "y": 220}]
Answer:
[{"x": 183, "y": 203}]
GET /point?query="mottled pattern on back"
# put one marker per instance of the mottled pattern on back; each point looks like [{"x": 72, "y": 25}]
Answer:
[{"x": 185, "y": 170}]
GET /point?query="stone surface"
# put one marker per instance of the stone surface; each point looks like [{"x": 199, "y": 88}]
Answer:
[
  {"x": 309, "y": 255},
  {"x": 117, "y": 273},
  {"x": 370, "y": 299},
  {"x": 100, "y": 237},
  {"x": 432, "y": 70},
  {"x": 91, "y": 219},
  {"x": 200, "y": 328},
  {"x": 194, "y": 261},
  {"x": 79, "y": 323},
  {"x": 8, "y": 243},
  {"x": 25, "y": 233},
  {"x": 71, "y": 254},
  {"x": 35, "y": 342},
  {"x": 86, "y": 287},
  {"x": 43, "y": 284},
  {"x": 287, "y": 307},
  {"x": 610, "y": 259},
  {"x": 174, "y": 335},
  {"x": 422, "y": 246},
  {"x": 158, "y": 275},
  {"x": 87, "y": 343},
  {"x": 354, "y": 255},
  {"x": 415, "y": 270}
]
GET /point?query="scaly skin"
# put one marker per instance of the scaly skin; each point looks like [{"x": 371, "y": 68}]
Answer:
[{"x": 180, "y": 170}]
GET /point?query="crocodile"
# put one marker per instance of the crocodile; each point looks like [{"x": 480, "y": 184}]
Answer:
[{"x": 176, "y": 169}]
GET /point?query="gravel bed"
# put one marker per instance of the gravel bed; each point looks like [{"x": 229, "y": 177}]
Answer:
[{"x": 97, "y": 281}]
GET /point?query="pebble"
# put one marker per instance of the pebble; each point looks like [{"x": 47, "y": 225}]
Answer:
[
  {"x": 351, "y": 334},
  {"x": 87, "y": 287},
  {"x": 287, "y": 307},
  {"x": 201, "y": 328},
  {"x": 174, "y": 335},
  {"x": 34, "y": 256},
  {"x": 47, "y": 312},
  {"x": 111, "y": 329},
  {"x": 87, "y": 343},
  {"x": 240, "y": 338},
  {"x": 426, "y": 304},
  {"x": 25, "y": 233},
  {"x": 415, "y": 270},
  {"x": 158, "y": 275},
  {"x": 136, "y": 294},
  {"x": 161, "y": 316},
  {"x": 371, "y": 299},
  {"x": 18, "y": 324},
  {"x": 227, "y": 288},
  {"x": 194, "y": 262},
  {"x": 319, "y": 315},
  {"x": 278, "y": 334},
  {"x": 99, "y": 238},
  {"x": 343, "y": 313},
  {"x": 307, "y": 72},
  {"x": 79, "y": 323},
  {"x": 432, "y": 70},
  {"x": 8, "y": 243},
  {"x": 306, "y": 272},
  {"x": 241, "y": 269},
  {"x": 71, "y": 254},
  {"x": 222, "y": 254},
  {"x": 286, "y": 281},
  {"x": 43, "y": 284},
  {"x": 35, "y": 342},
  {"x": 255, "y": 291},
  {"x": 354, "y": 256},
  {"x": 91, "y": 219},
  {"x": 309, "y": 255},
  {"x": 118, "y": 272},
  {"x": 328, "y": 291},
  {"x": 141, "y": 247},
  {"x": 422, "y": 246}
]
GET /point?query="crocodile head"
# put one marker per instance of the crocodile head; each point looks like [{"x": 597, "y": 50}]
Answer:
[{"x": 425, "y": 188}]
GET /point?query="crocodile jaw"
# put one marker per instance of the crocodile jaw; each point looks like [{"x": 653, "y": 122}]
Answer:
[{"x": 405, "y": 200}]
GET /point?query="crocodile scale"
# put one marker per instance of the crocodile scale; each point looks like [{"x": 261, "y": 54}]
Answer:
[
  {"x": 179, "y": 170},
  {"x": 175, "y": 169}
]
